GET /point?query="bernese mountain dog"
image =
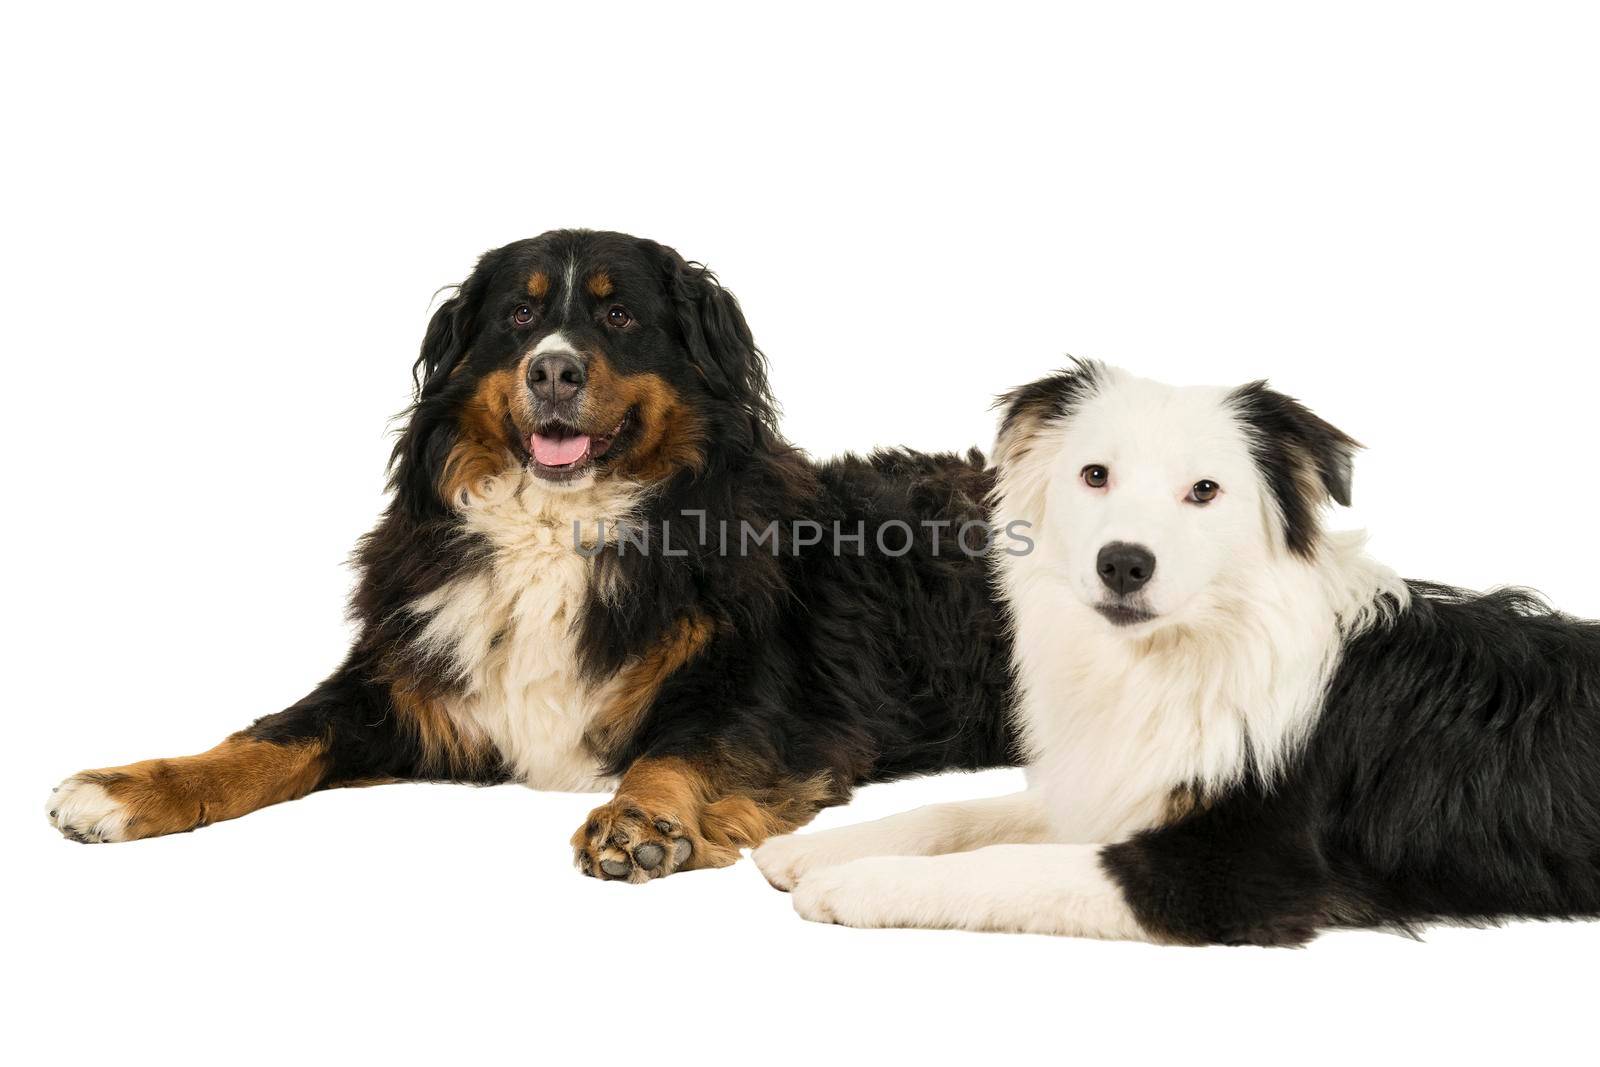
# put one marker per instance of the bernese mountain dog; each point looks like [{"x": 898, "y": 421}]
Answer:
[
  {"x": 603, "y": 568},
  {"x": 1241, "y": 728}
]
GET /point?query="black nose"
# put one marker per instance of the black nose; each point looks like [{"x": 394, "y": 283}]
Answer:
[
  {"x": 555, "y": 377},
  {"x": 1125, "y": 568}
]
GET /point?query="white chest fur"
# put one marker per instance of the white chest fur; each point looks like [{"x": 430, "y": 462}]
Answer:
[
  {"x": 1114, "y": 726},
  {"x": 510, "y": 628}
]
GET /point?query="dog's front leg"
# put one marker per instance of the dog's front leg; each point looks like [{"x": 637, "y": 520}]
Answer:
[
  {"x": 1040, "y": 889},
  {"x": 350, "y": 730},
  {"x": 931, "y": 831},
  {"x": 683, "y": 812}
]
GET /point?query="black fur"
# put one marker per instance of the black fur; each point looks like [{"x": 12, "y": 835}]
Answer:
[
  {"x": 1284, "y": 436},
  {"x": 1453, "y": 775},
  {"x": 1048, "y": 399},
  {"x": 864, "y": 667},
  {"x": 851, "y": 668}
]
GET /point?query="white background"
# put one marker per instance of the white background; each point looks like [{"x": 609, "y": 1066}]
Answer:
[{"x": 223, "y": 229}]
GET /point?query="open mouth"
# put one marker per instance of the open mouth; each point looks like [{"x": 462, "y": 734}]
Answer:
[
  {"x": 558, "y": 452},
  {"x": 1124, "y": 614}
]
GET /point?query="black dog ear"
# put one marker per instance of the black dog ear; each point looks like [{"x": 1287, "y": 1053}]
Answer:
[
  {"x": 450, "y": 330},
  {"x": 444, "y": 344},
  {"x": 1303, "y": 459},
  {"x": 424, "y": 445},
  {"x": 1029, "y": 408},
  {"x": 720, "y": 342}
]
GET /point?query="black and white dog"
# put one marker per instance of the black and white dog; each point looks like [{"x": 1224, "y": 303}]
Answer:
[{"x": 1241, "y": 728}]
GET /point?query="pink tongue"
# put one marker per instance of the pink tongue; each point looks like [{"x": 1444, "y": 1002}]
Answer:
[{"x": 559, "y": 451}]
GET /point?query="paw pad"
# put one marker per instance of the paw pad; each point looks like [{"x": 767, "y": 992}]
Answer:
[{"x": 621, "y": 842}]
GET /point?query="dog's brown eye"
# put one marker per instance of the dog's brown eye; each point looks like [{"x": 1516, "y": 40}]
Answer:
[
  {"x": 618, "y": 316},
  {"x": 1095, "y": 476},
  {"x": 1204, "y": 491},
  {"x": 523, "y": 315}
]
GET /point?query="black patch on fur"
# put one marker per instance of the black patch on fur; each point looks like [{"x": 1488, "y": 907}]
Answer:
[
  {"x": 1051, "y": 397},
  {"x": 1454, "y": 774},
  {"x": 720, "y": 342},
  {"x": 419, "y": 453},
  {"x": 860, "y": 667},
  {"x": 1285, "y": 437},
  {"x": 366, "y": 742}
]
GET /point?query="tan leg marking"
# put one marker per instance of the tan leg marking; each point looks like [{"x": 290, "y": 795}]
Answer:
[
  {"x": 636, "y": 684},
  {"x": 170, "y": 796},
  {"x": 446, "y": 749},
  {"x": 671, "y": 815}
]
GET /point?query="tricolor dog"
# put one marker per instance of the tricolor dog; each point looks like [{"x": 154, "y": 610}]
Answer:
[{"x": 603, "y": 568}]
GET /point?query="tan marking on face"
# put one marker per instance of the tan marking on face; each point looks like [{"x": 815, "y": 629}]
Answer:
[
  {"x": 671, "y": 437},
  {"x": 538, "y": 284},
  {"x": 599, "y": 285},
  {"x": 715, "y": 805},
  {"x": 635, "y": 686},
  {"x": 170, "y": 796},
  {"x": 481, "y": 449}
]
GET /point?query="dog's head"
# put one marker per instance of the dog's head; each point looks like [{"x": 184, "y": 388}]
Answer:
[
  {"x": 1151, "y": 502},
  {"x": 580, "y": 357}
]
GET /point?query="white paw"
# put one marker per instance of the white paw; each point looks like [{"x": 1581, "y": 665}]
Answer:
[
  {"x": 879, "y": 891},
  {"x": 783, "y": 859},
  {"x": 788, "y": 859},
  {"x": 83, "y": 811}
]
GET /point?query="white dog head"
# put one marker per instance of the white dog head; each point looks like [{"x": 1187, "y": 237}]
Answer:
[{"x": 1153, "y": 503}]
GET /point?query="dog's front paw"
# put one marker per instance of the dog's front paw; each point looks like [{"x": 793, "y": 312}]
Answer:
[
  {"x": 83, "y": 810},
  {"x": 785, "y": 860},
  {"x": 789, "y": 860},
  {"x": 868, "y": 892},
  {"x": 624, "y": 842}
]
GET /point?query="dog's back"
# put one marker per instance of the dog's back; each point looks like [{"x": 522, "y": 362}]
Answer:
[
  {"x": 887, "y": 655},
  {"x": 921, "y": 601},
  {"x": 1458, "y": 758}
]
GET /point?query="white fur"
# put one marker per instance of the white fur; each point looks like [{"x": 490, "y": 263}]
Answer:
[
  {"x": 1034, "y": 889},
  {"x": 1227, "y": 679},
  {"x": 571, "y": 278},
  {"x": 510, "y": 627},
  {"x": 927, "y": 831},
  {"x": 84, "y": 810},
  {"x": 1234, "y": 665},
  {"x": 553, "y": 342},
  {"x": 1114, "y": 722}
]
